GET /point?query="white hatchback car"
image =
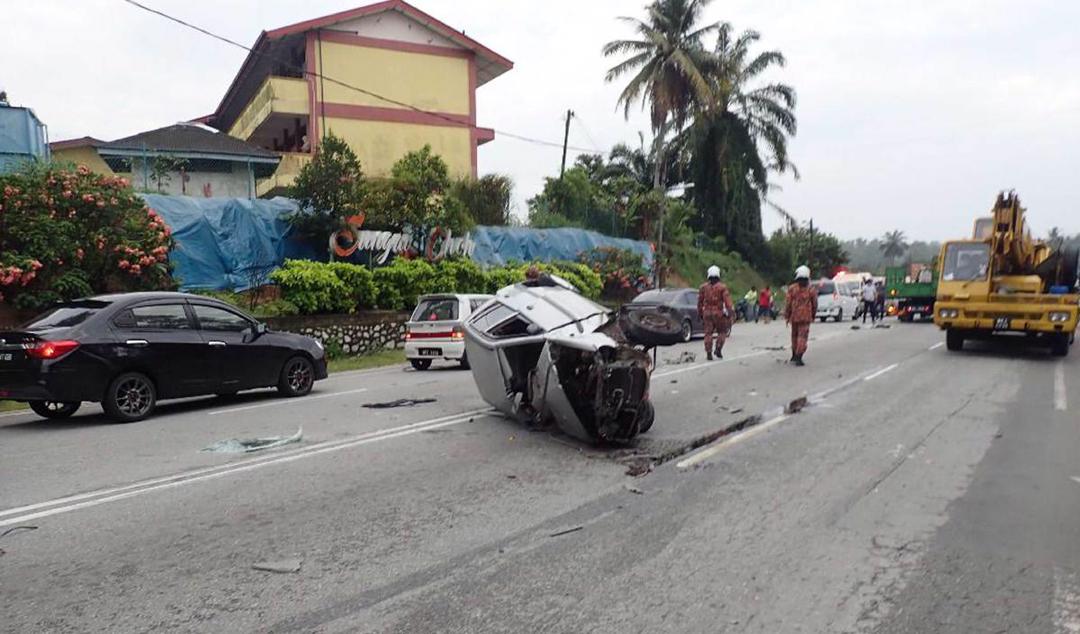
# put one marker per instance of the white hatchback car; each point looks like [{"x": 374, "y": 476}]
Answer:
[
  {"x": 436, "y": 329},
  {"x": 834, "y": 303}
]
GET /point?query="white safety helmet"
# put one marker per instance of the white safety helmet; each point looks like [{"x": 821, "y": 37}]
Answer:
[
  {"x": 802, "y": 273},
  {"x": 714, "y": 271}
]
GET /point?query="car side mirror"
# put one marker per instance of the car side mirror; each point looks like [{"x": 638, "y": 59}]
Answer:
[{"x": 257, "y": 331}]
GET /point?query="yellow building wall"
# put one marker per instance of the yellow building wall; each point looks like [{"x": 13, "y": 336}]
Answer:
[
  {"x": 430, "y": 82},
  {"x": 380, "y": 144},
  {"x": 84, "y": 155}
]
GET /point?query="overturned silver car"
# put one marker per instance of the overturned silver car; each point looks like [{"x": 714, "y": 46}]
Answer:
[{"x": 540, "y": 352}]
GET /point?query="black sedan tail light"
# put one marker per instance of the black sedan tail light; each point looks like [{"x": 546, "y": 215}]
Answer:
[{"x": 49, "y": 350}]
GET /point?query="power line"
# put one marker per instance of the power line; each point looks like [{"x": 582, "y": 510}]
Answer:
[{"x": 343, "y": 84}]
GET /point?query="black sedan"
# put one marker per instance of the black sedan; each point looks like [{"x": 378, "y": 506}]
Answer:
[
  {"x": 129, "y": 351},
  {"x": 682, "y": 302}
]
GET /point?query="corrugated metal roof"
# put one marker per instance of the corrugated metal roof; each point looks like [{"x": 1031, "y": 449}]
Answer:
[{"x": 187, "y": 138}]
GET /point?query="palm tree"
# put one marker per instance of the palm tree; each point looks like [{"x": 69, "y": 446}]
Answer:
[
  {"x": 667, "y": 60},
  {"x": 739, "y": 138},
  {"x": 894, "y": 244},
  {"x": 1055, "y": 235}
]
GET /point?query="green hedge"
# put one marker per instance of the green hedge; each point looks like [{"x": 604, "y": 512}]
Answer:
[{"x": 337, "y": 287}]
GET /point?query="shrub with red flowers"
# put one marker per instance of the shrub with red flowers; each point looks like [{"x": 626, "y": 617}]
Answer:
[
  {"x": 623, "y": 272},
  {"x": 67, "y": 233}
]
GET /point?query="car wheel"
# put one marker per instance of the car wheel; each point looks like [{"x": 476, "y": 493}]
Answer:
[
  {"x": 297, "y": 377},
  {"x": 420, "y": 364},
  {"x": 687, "y": 331},
  {"x": 131, "y": 397},
  {"x": 822, "y": 319},
  {"x": 465, "y": 362},
  {"x": 54, "y": 410},
  {"x": 954, "y": 340},
  {"x": 650, "y": 327},
  {"x": 1059, "y": 347},
  {"x": 646, "y": 417},
  {"x": 840, "y": 316}
]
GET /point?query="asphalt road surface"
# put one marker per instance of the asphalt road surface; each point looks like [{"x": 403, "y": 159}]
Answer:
[{"x": 889, "y": 486}]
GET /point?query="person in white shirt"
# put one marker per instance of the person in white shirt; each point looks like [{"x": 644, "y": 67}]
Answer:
[{"x": 869, "y": 299}]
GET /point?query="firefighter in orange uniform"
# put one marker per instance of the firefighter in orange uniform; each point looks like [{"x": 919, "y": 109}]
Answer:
[
  {"x": 714, "y": 306},
  {"x": 799, "y": 312}
]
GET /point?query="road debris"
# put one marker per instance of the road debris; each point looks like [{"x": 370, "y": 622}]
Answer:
[
  {"x": 401, "y": 402},
  {"x": 280, "y": 566},
  {"x": 771, "y": 348},
  {"x": 634, "y": 490},
  {"x": 796, "y": 406},
  {"x": 511, "y": 477},
  {"x": 882, "y": 326},
  {"x": 566, "y": 531},
  {"x": 248, "y": 445},
  {"x": 856, "y": 327},
  {"x": 685, "y": 357}
]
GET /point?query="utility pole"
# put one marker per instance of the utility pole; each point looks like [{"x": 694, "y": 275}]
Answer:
[
  {"x": 565, "y": 141},
  {"x": 810, "y": 257}
]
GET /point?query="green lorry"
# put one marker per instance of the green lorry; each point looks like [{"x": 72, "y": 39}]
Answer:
[{"x": 911, "y": 291}]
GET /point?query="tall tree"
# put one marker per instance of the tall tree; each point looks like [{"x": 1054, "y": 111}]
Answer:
[
  {"x": 739, "y": 138},
  {"x": 327, "y": 190},
  {"x": 666, "y": 61},
  {"x": 894, "y": 245}
]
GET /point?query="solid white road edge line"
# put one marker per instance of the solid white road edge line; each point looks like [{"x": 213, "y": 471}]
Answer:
[
  {"x": 936, "y": 345},
  {"x": 1076, "y": 479},
  {"x": 237, "y": 468},
  {"x": 281, "y": 401},
  {"x": 882, "y": 371},
  {"x": 716, "y": 448},
  {"x": 197, "y": 473},
  {"x": 1061, "y": 402},
  {"x": 18, "y": 412}
]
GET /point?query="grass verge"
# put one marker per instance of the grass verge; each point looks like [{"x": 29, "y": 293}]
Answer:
[
  {"x": 11, "y": 406},
  {"x": 367, "y": 361}
]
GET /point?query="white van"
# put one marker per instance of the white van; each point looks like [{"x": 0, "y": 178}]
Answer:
[{"x": 835, "y": 301}]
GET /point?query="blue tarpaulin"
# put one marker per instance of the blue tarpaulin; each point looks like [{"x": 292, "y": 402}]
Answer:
[
  {"x": 226, "y": 243},
  {"x": 234, "y": 243},
  {"x": 501, "y": 245}
]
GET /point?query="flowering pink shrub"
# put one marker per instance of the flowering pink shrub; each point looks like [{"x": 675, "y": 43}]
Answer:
[{"x": 71, "y": 233}]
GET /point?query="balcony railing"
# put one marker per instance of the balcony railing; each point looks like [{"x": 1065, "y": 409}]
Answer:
[
  {"x": 283, "y": 177},
  {"x": 281, "y": 95}
]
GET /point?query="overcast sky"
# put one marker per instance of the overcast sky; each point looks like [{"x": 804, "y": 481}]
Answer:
[{"x": 912, "y": 115}]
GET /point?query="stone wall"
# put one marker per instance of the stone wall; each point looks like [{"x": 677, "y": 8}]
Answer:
[{"x": 355, "y": 334}]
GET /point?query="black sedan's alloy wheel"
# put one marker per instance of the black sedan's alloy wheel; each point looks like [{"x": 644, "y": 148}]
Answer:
[
  {"x": 54, "y": 410},
  {"x": 687, "y": 331},
  {"x": 130, "y": 397},
  {"x": 297, "y": 377}
]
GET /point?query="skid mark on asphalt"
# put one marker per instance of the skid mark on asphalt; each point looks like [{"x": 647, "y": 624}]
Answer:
[
  {"x": 277, "y": 402},
  {"x": 753, "y": 425},
  {"x": 1066, "y": 602},
  {"x": 94, "y": 498}
]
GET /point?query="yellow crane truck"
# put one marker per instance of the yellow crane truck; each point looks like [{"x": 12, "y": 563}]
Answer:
[{"x": 1004, "y": 282}]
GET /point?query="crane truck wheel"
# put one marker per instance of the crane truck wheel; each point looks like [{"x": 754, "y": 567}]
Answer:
[{"x": 954, "y": 340}]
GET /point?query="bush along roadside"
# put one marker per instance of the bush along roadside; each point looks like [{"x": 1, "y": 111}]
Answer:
[{"x": 326, "y": 288}]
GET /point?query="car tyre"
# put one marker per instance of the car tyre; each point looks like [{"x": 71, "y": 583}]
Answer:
[
  {"x": 687, "y": 331},
  {"x": 465, "y": 362},
  {"x": 55, "y": 410},
  {"x": 297, "y": 377},
  {"x": 646, "y": 417},
  {"x": 822, "y": 319},
  {"x": 650, "y": 327},
  {"x": 420, "y": 364},
  {"x": 840, "y": 316},
  {"x": 130, "y": 397},
  {"x": 1059, "y": 347},
  {"x": 954, "y": 340}
]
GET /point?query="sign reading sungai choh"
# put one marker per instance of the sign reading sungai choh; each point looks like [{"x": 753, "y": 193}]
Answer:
[{"x": 434, "y": 245}]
